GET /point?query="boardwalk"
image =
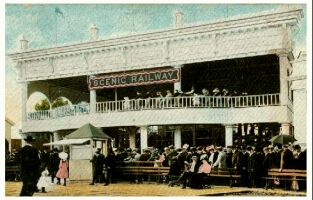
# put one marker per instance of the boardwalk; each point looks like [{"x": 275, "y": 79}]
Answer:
[{"x": 152, "y": 189}]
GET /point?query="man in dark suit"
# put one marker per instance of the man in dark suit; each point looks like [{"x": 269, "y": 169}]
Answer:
[
  {"x": 110, "y": 168},
  {"x": 300, "y": 163},
  {"x": 244, "y": 166},
  {"x": 97, "y": 165},
  {"x": 190, "y": 169},
  {"x": 30, "y": 164},
  {"x": 252, "y": 167},
  {"x": 54, "y": 162}
]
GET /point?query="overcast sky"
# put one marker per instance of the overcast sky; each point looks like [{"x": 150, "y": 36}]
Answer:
[{"x": 43, "y": 27}]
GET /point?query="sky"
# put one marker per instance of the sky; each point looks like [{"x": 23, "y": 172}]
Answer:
[{"x": 44, "y": 27}]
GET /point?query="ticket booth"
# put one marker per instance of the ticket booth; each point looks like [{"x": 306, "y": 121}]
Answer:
[{"x": 82, "y": 144}]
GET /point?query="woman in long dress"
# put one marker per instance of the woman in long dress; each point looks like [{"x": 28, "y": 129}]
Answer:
[{"x": 63, "y": 170}]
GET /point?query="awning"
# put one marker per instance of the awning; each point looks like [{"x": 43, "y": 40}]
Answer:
[{"x": 68, "y": 141}]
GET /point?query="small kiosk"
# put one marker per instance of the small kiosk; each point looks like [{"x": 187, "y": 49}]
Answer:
[{"x": 82, "y": 144}]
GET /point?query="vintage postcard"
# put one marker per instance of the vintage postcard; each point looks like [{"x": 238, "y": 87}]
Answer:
[{"x": 156, "y": 100}]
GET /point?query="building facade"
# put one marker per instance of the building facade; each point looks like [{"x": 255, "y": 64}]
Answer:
[{"x": 123, "y": 84}]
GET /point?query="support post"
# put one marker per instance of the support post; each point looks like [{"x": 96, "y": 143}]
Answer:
[
  {"x": 93, "y": 101},
  {"x": 177, "y": 137},
  {"x": 283, "y": 66},
  {"x": 132, "y": 138},
  {"x": 143, "y": 138},
  {"x": 229, "y": 135},
  {"x": 56, "y": 137},
  {"x": 24, "y": 100}
]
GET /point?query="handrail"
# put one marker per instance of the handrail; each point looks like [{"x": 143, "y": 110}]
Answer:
[
  {"x": 182, "y": 102},
  {"x": 198, "y": 101}
]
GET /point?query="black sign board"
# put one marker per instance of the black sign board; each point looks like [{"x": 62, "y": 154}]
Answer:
[{"x": 134, "y": 78}]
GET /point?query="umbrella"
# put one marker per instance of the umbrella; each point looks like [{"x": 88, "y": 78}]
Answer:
[{"x": 282, "y": 139}]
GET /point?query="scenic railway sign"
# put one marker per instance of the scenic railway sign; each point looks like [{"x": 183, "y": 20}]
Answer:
[{"x": 134, "y": 78}]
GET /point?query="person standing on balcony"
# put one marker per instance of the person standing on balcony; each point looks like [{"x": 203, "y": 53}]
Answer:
[
  {"x": 177, "y": 95},
  {"x": 147, "y": 98},
  {"x": 168, "y": 98},
  {"x": 205, "y": 94},
  {"x": 30, "y": 164},
  {"x": 139, "y": 100}
]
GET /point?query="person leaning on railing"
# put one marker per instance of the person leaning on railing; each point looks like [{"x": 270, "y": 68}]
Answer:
[{"x": 159, "y": 100}]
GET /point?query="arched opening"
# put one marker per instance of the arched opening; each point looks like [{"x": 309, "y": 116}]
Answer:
[
  {"x": 34, "y": 98},
  {"x": 60, "y": 101}
]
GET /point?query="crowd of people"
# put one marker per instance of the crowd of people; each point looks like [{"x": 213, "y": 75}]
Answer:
[
  {"x": 189, "y": 164},
  {"x": 40, "y": 169},
  {"x": 168, "y": 98}
]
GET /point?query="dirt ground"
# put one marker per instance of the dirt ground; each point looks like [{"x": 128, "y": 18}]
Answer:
[{"x": 146, "y": 189}]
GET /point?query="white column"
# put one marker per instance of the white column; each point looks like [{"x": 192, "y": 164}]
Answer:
[
  {"x": 93, "y": 101},
  {"x": 283, "y": 66},
  {"x": 228, "y": 135},
  {"x": 243, "y": 133},
  {"x": 51, "y": 140},
  {"x": 285, "y": 129},
  {"x": 143, "y": 138},
  {"x": 56, "y": 137},
  {"x": 132, "y": 139},
  {"x": 177, "y": 85},
  {"x": 177, "y": 137},
  {"x": 24, "y": 100}
]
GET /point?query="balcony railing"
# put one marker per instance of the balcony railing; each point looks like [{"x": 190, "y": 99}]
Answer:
[
  {"x": 183, "y": 102},
  {"x": 63, "y": 111}
]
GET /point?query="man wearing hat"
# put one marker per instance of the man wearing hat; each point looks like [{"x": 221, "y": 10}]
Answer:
[
  {"x": 190, "y": 169},
  {"x": 97, "y": 165},
  {"x": 300, "y": 163},
  {"x": 29, "y": 168},
  {"x": 54, "y": 162},
  {"x": 221, "y": 158}
]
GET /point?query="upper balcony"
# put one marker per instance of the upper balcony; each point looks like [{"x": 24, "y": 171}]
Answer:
[{"x": 168, "y": 110}]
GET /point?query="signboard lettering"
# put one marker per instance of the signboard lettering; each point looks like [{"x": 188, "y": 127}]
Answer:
[{"x": 134, "y": 78}]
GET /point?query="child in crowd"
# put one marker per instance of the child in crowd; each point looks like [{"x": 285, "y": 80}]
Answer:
[{"x": 44, "y": 180}]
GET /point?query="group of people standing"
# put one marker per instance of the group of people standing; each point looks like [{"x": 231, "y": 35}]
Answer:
[
  {"x": 191, "y": 164},
  {"x": 103, "y": 167},
  {"x": 37, "y": 166},
  {"x": 143, "y": 99}
]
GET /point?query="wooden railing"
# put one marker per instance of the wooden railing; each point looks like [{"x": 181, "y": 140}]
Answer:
[{"x": 182, "y": 102}]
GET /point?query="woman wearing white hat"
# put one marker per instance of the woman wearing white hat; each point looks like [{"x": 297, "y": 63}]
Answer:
[{"x": 63, "y": 168}]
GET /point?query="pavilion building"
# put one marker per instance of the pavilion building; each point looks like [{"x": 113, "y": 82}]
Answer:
[{"x": 250, "y": 56}]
